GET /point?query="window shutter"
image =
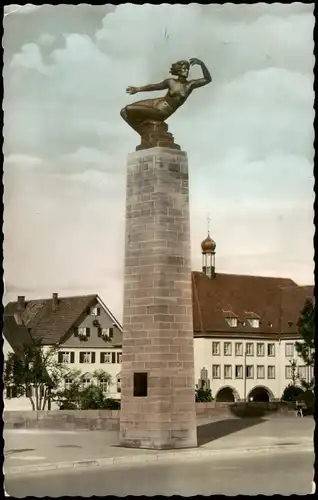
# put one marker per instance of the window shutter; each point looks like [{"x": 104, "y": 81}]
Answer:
[
  {"x": 99, "y": 332},
  {"x": 111, "y": 332},
  {"x": 93, "y": 357},
  {"x": 88, "y": 332},
  {"x": 98, "y": 311},
  {"x": 60, "y": 357},
  {"x": 81, "y": 357},
  {"x": 113, "y": 357},
  {"x": 72, "y": 357},
  {"x": 76, "y": 332},
  {"x": 102, "y": 357}
]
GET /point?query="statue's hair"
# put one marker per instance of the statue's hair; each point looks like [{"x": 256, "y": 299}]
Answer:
[{"x": 176, "y": 67}]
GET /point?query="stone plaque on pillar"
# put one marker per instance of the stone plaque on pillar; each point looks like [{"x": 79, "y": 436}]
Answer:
[{"x": 157, "y": 391}]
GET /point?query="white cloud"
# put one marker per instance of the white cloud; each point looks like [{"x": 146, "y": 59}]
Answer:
[{"x": 248, "y": 135}]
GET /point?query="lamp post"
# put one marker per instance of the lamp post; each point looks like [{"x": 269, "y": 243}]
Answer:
[{"x": 245, "y": 351}]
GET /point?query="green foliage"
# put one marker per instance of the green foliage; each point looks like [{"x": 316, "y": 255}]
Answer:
[
  {"x": 203, "y": 394},
  {"x": 33, "y": 371},
  {"x": 292, "y": 393},
  {"x": 92, "y": 397},
  {"x": 306, "y": 329}
]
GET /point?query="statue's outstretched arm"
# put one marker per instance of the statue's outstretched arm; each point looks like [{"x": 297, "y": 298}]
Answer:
[
  {"x": 155, "y": 86},
  {"x": 207, "y": 78}
]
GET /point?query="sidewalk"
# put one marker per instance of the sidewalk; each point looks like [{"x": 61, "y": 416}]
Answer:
[{"x": 30, "y": 451}]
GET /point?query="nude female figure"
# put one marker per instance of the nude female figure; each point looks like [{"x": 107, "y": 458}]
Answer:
[{"x": 161, "y": 108}]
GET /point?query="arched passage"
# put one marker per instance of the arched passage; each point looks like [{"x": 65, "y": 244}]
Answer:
[
  {"x": 227, "y": 394},
  {"x": 261, "y": 394}
]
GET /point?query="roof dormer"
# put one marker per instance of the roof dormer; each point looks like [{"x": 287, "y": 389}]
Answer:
[
  {"x": 231, "y": 318},
  {"x": 253, "y": 319}
]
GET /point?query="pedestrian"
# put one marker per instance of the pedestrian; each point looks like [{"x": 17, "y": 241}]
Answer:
[{"x": 299, "y": 411}]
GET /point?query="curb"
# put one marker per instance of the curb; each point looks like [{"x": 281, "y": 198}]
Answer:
[{"x": 158, "y": 457}]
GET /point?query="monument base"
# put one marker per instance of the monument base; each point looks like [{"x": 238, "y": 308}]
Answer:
[
  {"x": 157, "y": 377},
  {"x": 155, "y": 134}
]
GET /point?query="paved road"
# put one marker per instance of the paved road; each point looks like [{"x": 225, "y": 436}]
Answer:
[{"x": 284, "y": 473}]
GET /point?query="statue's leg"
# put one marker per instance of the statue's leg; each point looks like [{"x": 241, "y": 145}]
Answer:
[
  {"x": 135, "y": 114},
  {"x": 141, "y": 113},
  {"x": 125, "y": 117}
]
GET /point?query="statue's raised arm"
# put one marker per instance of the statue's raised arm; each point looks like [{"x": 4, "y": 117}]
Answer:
[{"x": 147, "y": 117}]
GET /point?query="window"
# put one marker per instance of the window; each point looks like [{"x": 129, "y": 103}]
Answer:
[
  {"x": 227, "y": 371},
  {"x": 106, "y": 333},
  {"x": 302, "y": 372},
  {"x": 87, "y": 357},
  {"x": 119, "y": 357},
  {"x": 68, "y": 384},
  {"x": 289, "y": 350},
  {"x": 260, "y": 371},
  {"x": 271, "y": 372},
  {"x": 238, "y": 371},
  {"x": 105, "y": 357},
  {"x": 95, "y": 311},
  {"x": 118, "y": 384},
  {"x": 86, "y": 382},
  {"x": 140, "y": 385},
  {"x": 83, "y": 331},
  {"x": 216, "y": 371},
  {"x": 238, "y": 349},
  {"x": 249, "y": 349},
  {"x": 232, "y": 322},
  {"x": 270, "y": 349},
  {"x": 288, "y": 372},
  {"x": 104, "y": 384},
  {"x": 249, "y": 371},
  {"x": 227, "y": 348},
  {"x": 260, "y": 349},
  {"x": 254, "y": 323},
  {"x": 66, "y": 357},
  {"x": 216, "y": 348}
]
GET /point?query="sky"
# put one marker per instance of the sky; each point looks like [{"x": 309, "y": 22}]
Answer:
[{"x": 248, "y": 135}]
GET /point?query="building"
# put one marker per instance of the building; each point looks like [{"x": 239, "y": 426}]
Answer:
[
  {"x": 245, "y": 328},
  {"x": 87, "y": 333}
]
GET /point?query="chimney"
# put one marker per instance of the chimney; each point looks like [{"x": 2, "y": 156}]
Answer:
[
  {"x": 20, "y": 308},
  {"x": 21, "y": 302},
  {"x": 55, "y": 301}
]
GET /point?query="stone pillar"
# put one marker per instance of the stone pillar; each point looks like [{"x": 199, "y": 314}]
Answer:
[{"x": 158, "y": 326}]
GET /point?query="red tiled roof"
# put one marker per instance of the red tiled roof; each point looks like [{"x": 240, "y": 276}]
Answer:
[
  {"x": 46, "y": 324},
  {"x": 247, "y": 297},
  {"x": 293, "y": 300}
]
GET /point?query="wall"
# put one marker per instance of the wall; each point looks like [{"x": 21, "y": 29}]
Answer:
[
  {"x": 105, "y": 419},
  {"x": 205, "y": 359}
]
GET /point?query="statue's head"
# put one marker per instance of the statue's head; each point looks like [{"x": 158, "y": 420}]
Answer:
[{"x": 180, "y": 68}]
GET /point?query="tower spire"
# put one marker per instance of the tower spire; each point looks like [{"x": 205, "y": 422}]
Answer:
[
  {"x": 208, "y": 253},
  {"x": 208, "y": 223}
]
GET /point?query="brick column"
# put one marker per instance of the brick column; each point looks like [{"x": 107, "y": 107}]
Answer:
[{"x": 158, "y": 327}]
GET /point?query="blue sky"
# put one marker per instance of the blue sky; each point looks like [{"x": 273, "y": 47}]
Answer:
[{"x": 248, "y": 135}]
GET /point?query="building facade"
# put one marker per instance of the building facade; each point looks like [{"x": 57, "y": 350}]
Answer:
[
  {"x": 85, "y": 331},
  {"x": 245, "y": 329}
]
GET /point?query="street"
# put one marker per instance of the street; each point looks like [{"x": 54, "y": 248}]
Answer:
[{"x": 281, "y": 472}]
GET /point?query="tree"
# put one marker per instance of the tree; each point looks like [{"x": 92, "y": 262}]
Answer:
[
  {"x": 306, "y": 329},
  {"x": 92, "y": 397},
  {"x": 292, "y": 393},
  {"x": 203, "y": 394},
  {"x": 34, "y": 372}
]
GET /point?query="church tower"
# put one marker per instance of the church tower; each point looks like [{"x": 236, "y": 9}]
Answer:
[{"x": 208, "y": 247}]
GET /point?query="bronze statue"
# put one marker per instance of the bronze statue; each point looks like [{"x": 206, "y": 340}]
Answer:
[{"x": 148, "y": 117}]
